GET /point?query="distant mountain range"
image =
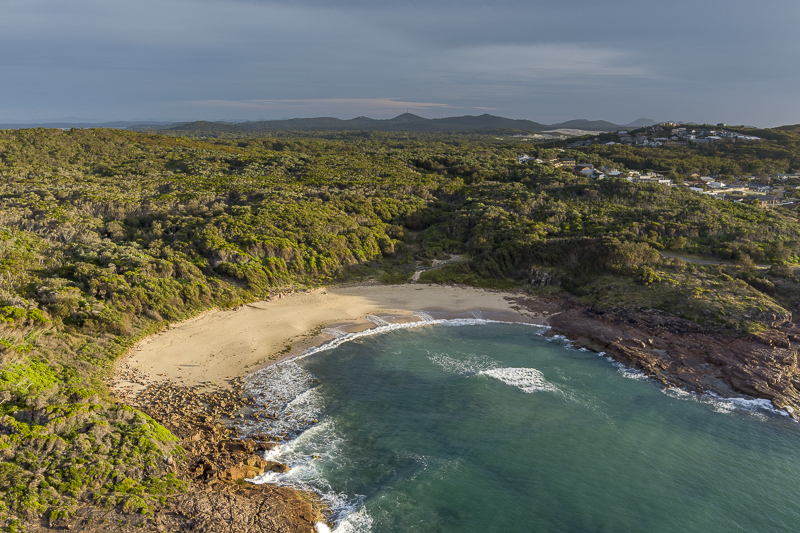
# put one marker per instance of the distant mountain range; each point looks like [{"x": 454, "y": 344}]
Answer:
[{"x": 405, "y": 122}]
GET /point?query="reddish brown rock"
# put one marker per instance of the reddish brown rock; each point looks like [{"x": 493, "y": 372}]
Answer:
[{"x": 678, "y": 352}]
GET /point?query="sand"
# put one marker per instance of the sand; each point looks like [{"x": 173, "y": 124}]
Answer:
[{"x": 218, "y": 346}]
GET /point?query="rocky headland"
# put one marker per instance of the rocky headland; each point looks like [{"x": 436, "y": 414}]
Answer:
[
  {"x": 219, "y": 460},
  {"x": 680, "y": 353}
]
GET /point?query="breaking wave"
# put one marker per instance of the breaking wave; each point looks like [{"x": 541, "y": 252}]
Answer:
[
  {"x": 356, "y": 522},
  {"x": 290, "y": 404},
  {"x": 384, "y": 327},
  {"x": 318, "y": 445},
  {"x": 724, "y": 405},
  {"x": 469, "y": 366},
  {"x": 719, "y": 404},
  {"x": 527, "y": 380}
]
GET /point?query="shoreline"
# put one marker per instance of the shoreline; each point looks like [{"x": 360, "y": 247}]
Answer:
[
  {"x": 185, "y": 357},
  {"x": 217, "y": 347}
]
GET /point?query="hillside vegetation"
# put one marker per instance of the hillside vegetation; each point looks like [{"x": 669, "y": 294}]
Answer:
[{"x": 106, "y": 236}]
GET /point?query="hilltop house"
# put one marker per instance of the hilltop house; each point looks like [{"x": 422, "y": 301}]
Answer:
[{"x": 768, "y": 201}]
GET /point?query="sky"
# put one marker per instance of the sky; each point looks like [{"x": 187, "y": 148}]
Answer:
[{"x": 730, "y": 61}]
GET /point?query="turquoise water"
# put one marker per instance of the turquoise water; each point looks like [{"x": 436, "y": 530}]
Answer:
[{"x": 496, "y": 428}]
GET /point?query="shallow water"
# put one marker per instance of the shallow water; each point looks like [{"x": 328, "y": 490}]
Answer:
[{"x": 496, "y": 428}]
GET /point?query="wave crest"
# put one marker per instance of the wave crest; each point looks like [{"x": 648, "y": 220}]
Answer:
[
  {"x": 469, "y": 366},
  {"x": 528, "y": 380}
]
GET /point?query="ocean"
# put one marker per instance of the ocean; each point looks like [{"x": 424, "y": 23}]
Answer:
[{"x": 480, "y": 426}]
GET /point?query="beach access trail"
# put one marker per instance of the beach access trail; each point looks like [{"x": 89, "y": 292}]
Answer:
[{"x": 221, "y": 345}]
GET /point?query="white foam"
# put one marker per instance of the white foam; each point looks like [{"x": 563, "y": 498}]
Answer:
[
  {"x": 378, "y": 321},
  {"x": 720, "y": 404},
  {"x": 630, "y": 373},
  {"x": 378, "y": 330},
  {"x": 724, "y": 405},
  {"x": 321, "y": 527},
  {"x": 316, "y": 448},
  {"x": 527, "y": 380},
  {"x": 472, "y": 364},
  {"x": 423, "y": 316},
  {"x": 334, "y": 332},
  {"x": 285, "y": 393},
  {"x": 356, "y": 522}
]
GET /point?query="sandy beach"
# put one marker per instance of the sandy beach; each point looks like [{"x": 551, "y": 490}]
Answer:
[{"x": 220, "y": 345}]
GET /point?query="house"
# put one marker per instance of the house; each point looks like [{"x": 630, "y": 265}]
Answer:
[
  {"x": 566, "y": 162},
  {"x": 768, "y": 201},
  {"x": 734, "y": 198},
  {"x": 524, "y": 158},
  {"x": 650, "y": 174}
]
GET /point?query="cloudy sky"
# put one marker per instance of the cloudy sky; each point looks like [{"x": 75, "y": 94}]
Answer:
[{"x": 732, "y": 61}]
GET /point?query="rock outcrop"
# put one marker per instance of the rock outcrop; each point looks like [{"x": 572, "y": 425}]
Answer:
[
  {"x": 217, "y": 497},
  {"x": 681, "y": 353}
]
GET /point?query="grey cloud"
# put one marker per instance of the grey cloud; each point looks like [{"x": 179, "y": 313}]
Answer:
[{"x": 616, "y": 60}]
